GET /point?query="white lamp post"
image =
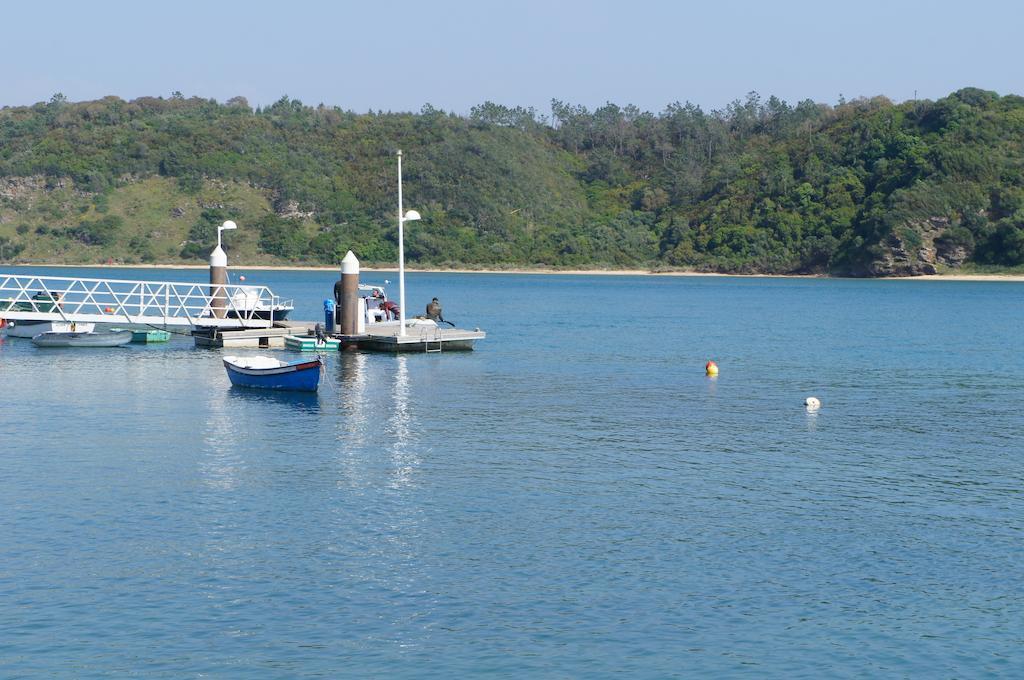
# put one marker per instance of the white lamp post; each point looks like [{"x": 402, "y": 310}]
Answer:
[
  {"x": 403, "y": 217},
  {"x": 227, "y": 225},
  {"x": 218, "y": 258}
]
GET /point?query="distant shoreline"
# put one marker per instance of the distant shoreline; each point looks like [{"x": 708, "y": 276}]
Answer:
[{"x": 533, "y": 271}]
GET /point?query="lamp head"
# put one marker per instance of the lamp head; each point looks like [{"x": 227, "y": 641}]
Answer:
[
  {"x": 411, "y": 216},
  {"x": 229, "y": 225}
]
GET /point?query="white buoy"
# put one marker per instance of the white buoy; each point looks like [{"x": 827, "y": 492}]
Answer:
[{"x": 812, "y": 403}]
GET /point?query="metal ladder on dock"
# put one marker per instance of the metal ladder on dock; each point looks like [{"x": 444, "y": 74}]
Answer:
[{"x": 425, "y": 337}]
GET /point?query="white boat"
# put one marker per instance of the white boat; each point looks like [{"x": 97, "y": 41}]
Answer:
[
  {"x": 374, "y": 305},
  {"x": 90, "y": 339},
  {"x": 376, "y": 311},
  {"x": 246, "y": 303},
  {"x": 379, "y": 315},
  {"x": 30, "y": 329}
]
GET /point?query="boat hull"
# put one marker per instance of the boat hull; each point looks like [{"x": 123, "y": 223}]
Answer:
[
  {"x": 310, "y": 344},
  {"x": 302, "y": 376},
  {"x": 30, "y": 329},
  {"x": 146, "y": 335},
  {"x": 150, "y": 336},
  {"x": 279, "y": 314},
  {"x": 55, "y": 339}
]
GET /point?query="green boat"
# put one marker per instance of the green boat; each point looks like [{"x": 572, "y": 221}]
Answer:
[
  {"x": 152, "y": 335},
  {"x": 309, "y": 343},
  {"x": 147, "y": 335}
]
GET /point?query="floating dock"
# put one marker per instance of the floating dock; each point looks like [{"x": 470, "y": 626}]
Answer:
[
  {"x": 221, "y": 314},
  {"x": 162, "y": 305},
  {"x": 250, "y": 337},
  {"x": 382, "y": 338},
  {"x": 416, "y": 339}
]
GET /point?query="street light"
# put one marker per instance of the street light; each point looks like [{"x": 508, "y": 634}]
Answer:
[
  {"x": 227, "y": 225},
  {"x": 403, "y": 217}
]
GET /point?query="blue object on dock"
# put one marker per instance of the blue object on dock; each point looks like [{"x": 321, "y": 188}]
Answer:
[
  {"x": 329, "y": 315},
  {"x": 272, "y": 374}
]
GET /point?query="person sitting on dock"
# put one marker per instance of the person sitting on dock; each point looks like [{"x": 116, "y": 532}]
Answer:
[
  {"x": 434, "y": 312},
  {"x": 390, "y": 309}
]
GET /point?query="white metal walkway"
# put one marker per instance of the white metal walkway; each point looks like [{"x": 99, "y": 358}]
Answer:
[{"x": 113, "y": 301}]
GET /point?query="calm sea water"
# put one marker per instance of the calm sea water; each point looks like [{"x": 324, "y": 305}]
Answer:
[{"x": 573, "y": 499}]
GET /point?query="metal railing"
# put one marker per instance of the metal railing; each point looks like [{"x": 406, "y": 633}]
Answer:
[{"x": 57, "y": 298}]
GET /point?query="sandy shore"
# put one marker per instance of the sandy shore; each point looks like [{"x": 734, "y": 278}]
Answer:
[
  {"x": 241, "y": 269},
  {"x": 959, "y": 277}
]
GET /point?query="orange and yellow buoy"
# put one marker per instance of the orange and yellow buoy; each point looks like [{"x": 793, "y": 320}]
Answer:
[{"x": 711, "y": 368}]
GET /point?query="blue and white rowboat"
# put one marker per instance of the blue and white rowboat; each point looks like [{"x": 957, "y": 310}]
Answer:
[{"x": 272, "y": 374}]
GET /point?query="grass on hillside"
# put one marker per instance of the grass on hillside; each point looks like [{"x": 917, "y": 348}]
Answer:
[{"x": 157, "y": 216}]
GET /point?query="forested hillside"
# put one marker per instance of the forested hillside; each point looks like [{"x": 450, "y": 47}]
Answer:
[{"x": 863, "y": 188}]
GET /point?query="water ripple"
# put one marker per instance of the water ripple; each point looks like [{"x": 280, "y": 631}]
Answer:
[{"x": 574, "y": 499}]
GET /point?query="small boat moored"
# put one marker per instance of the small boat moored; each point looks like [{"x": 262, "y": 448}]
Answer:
[
  {"x": 246, "y": 304},
  {"x": 147, "y": 335},
  {"x": 273, "y": 374},
  {"x": 310, "y": 343},
  {"x": 152, "y": 335},
  {"x": 84, "y": 339},
  {"x": 30, "y": 329}
]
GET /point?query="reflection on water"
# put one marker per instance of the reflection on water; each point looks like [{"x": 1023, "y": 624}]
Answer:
[
  {"x": 220, "y": 466},
  {"x": 400, "y": 430},
  {"x": 374, "y": 415},
  {"x": 353, "y": 422},
  {"x": 353, "y": 417},
  {"x": 308, "y": 402},
  {"x": 237, "y": 415}
]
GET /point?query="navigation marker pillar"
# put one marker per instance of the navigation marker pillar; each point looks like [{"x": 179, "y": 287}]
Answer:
[
  {"x": 219, "y": 274},
  {"x": 350, "y": 294}
]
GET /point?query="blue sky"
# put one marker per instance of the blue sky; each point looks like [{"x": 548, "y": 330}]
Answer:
[{"x": 454, "y": 54}]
